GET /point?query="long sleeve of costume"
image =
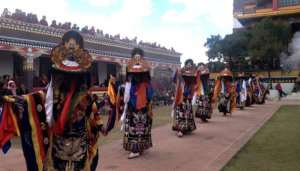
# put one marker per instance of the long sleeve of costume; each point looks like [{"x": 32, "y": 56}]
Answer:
[
  {"x": 32, "y": 127},
  {"x": 111, "y": 114},
  {"x": 8, "y": 125},
  {"x": 149, "y": 92},
  {"x": 202, "y": 96},
  {"x": 216, "y": 91}
]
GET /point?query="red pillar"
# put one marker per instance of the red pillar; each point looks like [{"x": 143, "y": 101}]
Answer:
[{"x": 275, "y": 4}]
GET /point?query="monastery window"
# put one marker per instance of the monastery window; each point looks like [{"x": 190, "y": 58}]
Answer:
[
  {"x": 284, "y": 3},
  {"x": 264, "y": 4}
]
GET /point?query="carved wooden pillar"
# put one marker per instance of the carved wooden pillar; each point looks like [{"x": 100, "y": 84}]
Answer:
[
  {"x": 152, "y": 71},
  {"x": 28, "y": 68},
  {"x": 275, "y": 4},
  {"x": 123, "y": 69}
]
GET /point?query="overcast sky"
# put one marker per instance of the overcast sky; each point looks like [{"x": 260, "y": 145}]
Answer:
[{"x": 182, "y": 24}]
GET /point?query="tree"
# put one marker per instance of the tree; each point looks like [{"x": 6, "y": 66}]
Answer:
[
  {"x": 269, "y": 39},
  {"x": 263, "y": 44},
  {"x": 213, "y": 43},
  {"x": 215, "y": 66},
  {"x": 235, "y": 47}
]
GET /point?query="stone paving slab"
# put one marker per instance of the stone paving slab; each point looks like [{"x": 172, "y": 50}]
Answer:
[{"x": 208, "y": 148}]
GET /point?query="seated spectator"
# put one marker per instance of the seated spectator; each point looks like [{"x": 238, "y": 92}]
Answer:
[
  {"x": 75, "y": 27},
  {"x": 53, "y": 24},
  {"x": 22, "y": 90},
  {"x": 5, "y": 79},
  {"x": 5, "y": 13},
  {"x": 66, "y": 26},
  {"x": 92, "y": 30},
  {"x": 12, "y": 88},
  {"x": 85, "y": 29},
  {"x": 44, "y": 21}
]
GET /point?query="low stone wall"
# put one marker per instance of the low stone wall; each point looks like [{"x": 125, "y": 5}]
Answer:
[
  {"x": 273, "y": 95},
  {"x": 294, "y": 96},
  {"x": 287, "y": 87}
]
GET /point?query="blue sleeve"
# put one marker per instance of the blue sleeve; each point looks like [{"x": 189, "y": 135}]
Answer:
[
  {"x": 174, "y": 76},
  {"x": 149, "y": 92},
  {"x": 238, "y": 87},
  {"x": 186, "y": 91},
  {"x": 132, "y": 99}
]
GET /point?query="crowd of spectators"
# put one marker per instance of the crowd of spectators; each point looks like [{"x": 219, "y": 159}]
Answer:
[
  {"x": 12, "y": 86},
  {"x": 15, "y": 85},
  {"x": 33, "y": 18},
  {"x": 164, "y": 90}
]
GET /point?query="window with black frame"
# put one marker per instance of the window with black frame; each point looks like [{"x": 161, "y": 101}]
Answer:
[{"x": 284, "y": 3}]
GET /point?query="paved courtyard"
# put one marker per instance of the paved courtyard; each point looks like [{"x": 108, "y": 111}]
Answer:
[{"x": 208, "y": 148}]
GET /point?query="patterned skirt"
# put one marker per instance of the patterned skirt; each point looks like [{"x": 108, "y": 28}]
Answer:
[
  {"x": 224, "y": 105},
  {"x": 249, "y": 100},
  {"x": 203, "y": 108},
  {"x": 137, "y": 137},
  {"x": 239, "y": 103},
  {"x": 260, "y": 98},
  {"x": 184, "y": 118},
  {"x": 69, "y": 151}
]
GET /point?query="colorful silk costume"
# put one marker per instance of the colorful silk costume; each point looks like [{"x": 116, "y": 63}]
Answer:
[
  {"x": 203, "y": 94},
  {"x": 59, "y": 129},
  {"x": 260, "y": 92},
  {"x": 241, "y": 91},
  {"x": 137, "y": 111},
  {"x": 224, "y": 91},
  {"x": 250, "y": 99},
  {"x": 183, "y": 116}
]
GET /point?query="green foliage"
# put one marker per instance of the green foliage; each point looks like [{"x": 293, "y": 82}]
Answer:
[
  {"x": 232, "y": 49},
  {"x": 213, "y": 43},
  {"x": 215, "y": 66},
  {"x": 235, "y": 46},
  {"x": 263, "y": 44},
  {"x": 269, "y": 39}
]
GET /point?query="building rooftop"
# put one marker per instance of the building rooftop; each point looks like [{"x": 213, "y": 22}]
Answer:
[
  {"x": 249, "y": 9},
  {"x": 30, "y": 21}
]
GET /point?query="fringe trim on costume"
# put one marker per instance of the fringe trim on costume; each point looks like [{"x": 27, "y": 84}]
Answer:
[
  {"x": 137, "y": 147},
  {"x": 184, "y": 129}
]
